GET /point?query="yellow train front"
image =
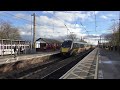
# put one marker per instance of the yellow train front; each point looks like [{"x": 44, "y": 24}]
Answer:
[
  {"x": 66, "y": 48},
  {"x": 69, "y": 48}
]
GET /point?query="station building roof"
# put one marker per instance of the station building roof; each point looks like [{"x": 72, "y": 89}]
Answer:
[{"x": 47, "y": 40}]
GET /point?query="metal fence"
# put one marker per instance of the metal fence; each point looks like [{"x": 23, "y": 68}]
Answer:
[{"x": 7, "y": 46}]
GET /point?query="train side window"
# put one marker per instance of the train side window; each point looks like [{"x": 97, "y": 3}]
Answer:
[
  {"x": 74, "y": 45},
  {"x": 78, "y": 45},
  {"x": 82, "y": 46}
]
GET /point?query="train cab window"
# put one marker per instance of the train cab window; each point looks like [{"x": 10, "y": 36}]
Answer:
[{"x": 67, "y": 43}]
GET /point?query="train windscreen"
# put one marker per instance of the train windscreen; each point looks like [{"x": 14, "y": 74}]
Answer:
[{"x": 66, "y": 44}]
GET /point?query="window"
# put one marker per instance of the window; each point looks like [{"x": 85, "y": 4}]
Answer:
[
  {"x": 67, "y": 43},
  {"x": 82, "y": 45}
]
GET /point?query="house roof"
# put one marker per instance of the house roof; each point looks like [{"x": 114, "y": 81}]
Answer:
[{"x": 47, "y": 40}]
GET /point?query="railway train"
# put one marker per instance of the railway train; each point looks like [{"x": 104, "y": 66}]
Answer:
[
  {"x": 70, "y": 47},
  {"x": 7, "y": 46}
]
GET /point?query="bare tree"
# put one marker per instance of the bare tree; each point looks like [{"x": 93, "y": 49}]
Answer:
[
  {"x": 72, "y": 36},
  {"x": 113, "y": 37},
  {"x": 7, "y": 31}
]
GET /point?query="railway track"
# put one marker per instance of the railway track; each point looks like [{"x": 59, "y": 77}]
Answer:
[
  {"x": 52, "y": 69},
  {"x": 56, "y": 74},
  {"x": 34, "y": 68},
  {"x": 57, "y": 69},
  {"x": 39, "y": 68}
]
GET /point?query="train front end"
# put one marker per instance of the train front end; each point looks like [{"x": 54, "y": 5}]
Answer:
[{"x": 66, "y": 48}]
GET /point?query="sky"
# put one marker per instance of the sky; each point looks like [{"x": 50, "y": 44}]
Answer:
[{"x": 57, "y": 24}]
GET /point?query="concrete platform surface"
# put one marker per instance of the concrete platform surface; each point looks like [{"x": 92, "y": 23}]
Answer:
[
  {"x": 10, "y": 58},
  {"x": 85, "y": 69},
  {"x": 109, "y": 64}
]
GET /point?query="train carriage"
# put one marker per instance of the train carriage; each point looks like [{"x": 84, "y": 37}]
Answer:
[{"x": 70, "y": 47}]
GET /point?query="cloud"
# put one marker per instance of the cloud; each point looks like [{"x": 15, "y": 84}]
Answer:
[
  {"x": 93, "y": 36},
  {"x": 107, "y": 16},
  {"x": 92, "y": 39},
  {"x": 104, "y": 17},
  {"x": 26, "y": 30},
  {"x": 96, "y": 12},
  {"x": 45, "y": 20},
  {"x": 71, "y": 16},
  {"x": 54, "y": 27},
  {"x": 46, "y": 12},
  {"x": 110, "y": 15},
  {"x": 64, "y": 16},
  {"x": 22, "y": 16}
]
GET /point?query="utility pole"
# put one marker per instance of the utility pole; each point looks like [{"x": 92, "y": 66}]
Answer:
[
  {"x": 34, "y": 41},
  {"x": 31, "y": 34}
]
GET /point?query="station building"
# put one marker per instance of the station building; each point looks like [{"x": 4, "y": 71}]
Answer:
[{"x": 46, "y": 44}]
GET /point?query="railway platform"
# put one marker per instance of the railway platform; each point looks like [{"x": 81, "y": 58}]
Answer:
[
  {"x": 109, "y": 64},
  {"x": 87, "y": 68},
  {"x": 99, "y": 64},
  {"x": 10, "y": 58}
]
